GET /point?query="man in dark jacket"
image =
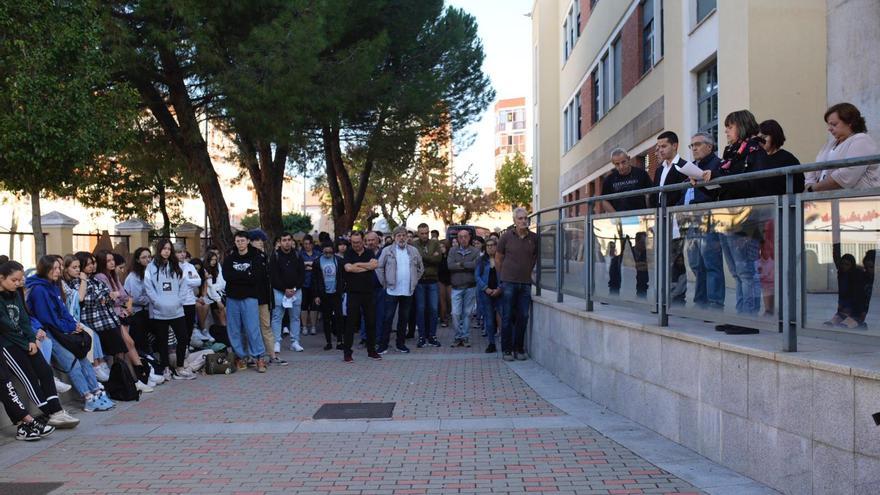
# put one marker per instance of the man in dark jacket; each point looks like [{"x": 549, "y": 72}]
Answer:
[
  {"x": 667, "y": 174},
  {"x": 242, "y": 309},
  {"x": 427, "y": 293},
  {"x": 286, "y": 272},
  {"x": 327, "y": 284}
]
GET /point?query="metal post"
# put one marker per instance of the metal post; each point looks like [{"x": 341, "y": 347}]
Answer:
[
  {"x": 788, "y": 234},
  {"x": 560, "y": 237},
  {"x": 588, "y": 256},
  {"x": 662, "y": 242},
  {"x": 539, "y": 265}
]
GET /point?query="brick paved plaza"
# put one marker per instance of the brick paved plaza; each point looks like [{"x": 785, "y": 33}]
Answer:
[{"x": 464, "y": 422}]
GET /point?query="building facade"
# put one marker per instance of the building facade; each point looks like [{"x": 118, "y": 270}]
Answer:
[
  {"x": 510, "y": 129},
  {"x": 617, "y": 73}
]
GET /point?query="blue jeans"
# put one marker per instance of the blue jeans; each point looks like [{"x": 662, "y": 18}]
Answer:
[
  {"x": 490, "y": 307},
  {"x": 80, "y": 371},
  {"x": 243, "y": 318},
  {"x": 515, "y": 300},
  {"x": 741, "y": 253},
  {"x": 427, "y": 297},
  {"x": 462, "y": 306},
  {"x": 292, "y": 313},
  {"x": 713, "y": 267}
]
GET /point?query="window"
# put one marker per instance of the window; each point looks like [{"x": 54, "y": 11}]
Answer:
[
  {"x": 571, "y": 123},
  {"x": 571, "y": 29},
  {"x": 606, "y": 84},
  {"x": 617, "y": 55},
  {"x": 707, "y": 100},
  {"x": 647, "y": 35},
  {"x": 704, "y": 8},
  {"x": 597, "y": 111}
]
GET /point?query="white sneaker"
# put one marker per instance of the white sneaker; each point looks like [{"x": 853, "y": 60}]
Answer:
[
  {"x": 313, "y": 331},
  {"x": 143, "y": 387},
  {"x": 151, "y": 383},
  {"x": 62, "y": 419},
  {"x": 184, "y": 374},
  {"x": 196, "y": 341},
  {"x": 294, "y": 346},
  {"x": 60, "y": 386},
  {"x": 102, "y": 372},
  {"x": 285, "y": 331},
  {"x": 277, "y": 347},
  {"x": 207, "y": 336},
  {"x": 157, "y": 379},
  {"x": 167, "y": 374}
]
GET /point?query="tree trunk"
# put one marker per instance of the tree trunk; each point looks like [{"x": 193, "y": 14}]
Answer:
[
  {"x": 345, "y": 199},
  {"x": 163, "y": 207},
  {"x": 267, "y": 175},
  {"x": 39, "y": 239},
  {"x": 13, "y": 227}
]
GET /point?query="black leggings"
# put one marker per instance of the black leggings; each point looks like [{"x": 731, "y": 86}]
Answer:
[
  {"x": 189, "y": 315},
  {"x": 12, "y": 403},
  {"x": 160, "y": 331},
  {"x": 138, "y": 327},
  {"x": 36, "y": 377}
]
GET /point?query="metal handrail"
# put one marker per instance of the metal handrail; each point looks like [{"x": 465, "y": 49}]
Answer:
[{"x": 787, "y": 215}]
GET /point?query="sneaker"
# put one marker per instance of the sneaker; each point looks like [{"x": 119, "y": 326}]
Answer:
[
  {"x": 104, "y": 402},
  {"x": 382, "y": 350},
  {"x": 507, "y": 356},
  {"x": 313, "y": 331},
  {"x": 102, "y": 372},
  {"x": 421, "y": 343},
  {"x": 433, "y": 342},
  {"x": 241, "y": 364},
  {"x": 348, "y": 358},
  {"x": 278, "y": 361},
  {"x": 207, "y": 336},
  {"x": 277, "y": 347},
  {"x": 62, "y": 419},
  {"x": 285, "y": 331},
  {"x": 520, "y": 356},
  {"x": 261, "y": 366},
  {"x": 196, "y": 341},
  {"x": 490, "y": 349},
  {"x": 28, "y": 432},
  {"x": 43, "y": 428},
  {"x": 374, "y": 355},
  {"x": 294, "y": 346},
  {"x": 328, "y": 346},
  {"x": 143, "y": 387},
  {"x": 60, "y": 386},
  {"x": 92, "y": 404},
  {"x": 444, "y": 324},
  {"x": 184, "y": 374},
  {"x": 166, "y": 375},
  {"x": 402, "y": 348},
  {"x": 340, "y": 346}
]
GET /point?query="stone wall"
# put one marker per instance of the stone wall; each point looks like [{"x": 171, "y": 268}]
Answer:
[{"x": 793, "y": 424}]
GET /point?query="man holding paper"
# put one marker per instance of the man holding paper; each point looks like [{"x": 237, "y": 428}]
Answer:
[{"x": 668, "y": 173}]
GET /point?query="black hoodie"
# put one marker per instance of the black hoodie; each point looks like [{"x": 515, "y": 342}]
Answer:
[
  {"x": 241, "y": 273},
  {"x": 286, "y": 270}
]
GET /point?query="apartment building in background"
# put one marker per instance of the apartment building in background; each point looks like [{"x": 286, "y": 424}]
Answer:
[
  {"x": 616, "y": 73},
  {"x": 510, "y": 129}
]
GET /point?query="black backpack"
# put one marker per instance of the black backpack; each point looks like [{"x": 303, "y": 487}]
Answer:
[{"x": 121, "y": 385}]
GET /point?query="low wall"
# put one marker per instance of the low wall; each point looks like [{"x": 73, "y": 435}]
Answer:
[{"x": 799, "y": 426}]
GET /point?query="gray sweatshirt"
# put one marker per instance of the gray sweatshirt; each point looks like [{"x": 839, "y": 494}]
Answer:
[
  {"x": 461, "y": 267},
  {"x": 166, "y": 291},
  {"x": 135, "y": 288}
]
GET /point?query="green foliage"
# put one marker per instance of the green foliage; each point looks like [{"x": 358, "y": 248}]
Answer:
[
  {"x": 457, "y": 198},
  {"x": 513, "y": 181},
  {"x": 291, "y": 222}
]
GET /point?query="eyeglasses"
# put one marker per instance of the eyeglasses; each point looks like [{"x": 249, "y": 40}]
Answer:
[{"x": 699, "y": 143}]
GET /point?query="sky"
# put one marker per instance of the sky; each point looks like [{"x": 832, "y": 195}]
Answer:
[{"x": 506, "y": 33}]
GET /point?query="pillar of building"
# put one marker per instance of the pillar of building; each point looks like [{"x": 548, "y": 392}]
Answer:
[
  {"x": 193, "y": 235},
  {"x": 59, "y": 228},
  {"x": 138, "y": 232}
]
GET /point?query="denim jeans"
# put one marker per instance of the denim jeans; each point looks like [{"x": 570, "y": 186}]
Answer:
[
  {"x": 515, "y": 301},
  {"x": 292, "y": 313},
  {"x": 490, "y": 307},
  {"x": 463, "y": 301},
  {"x": 427, "y": 299},
  {"x": 711, "y": 258},
  {"x": 741, "y": 253},
  {"x": 243, "y": 318},
  {"x": 402, "y": 305},
  {"x": 80, "y": 371}
]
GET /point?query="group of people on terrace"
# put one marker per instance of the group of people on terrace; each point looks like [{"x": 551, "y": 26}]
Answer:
[{"x": 742, "y": 237}]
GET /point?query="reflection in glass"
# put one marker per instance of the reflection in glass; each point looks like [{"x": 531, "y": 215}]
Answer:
[
  {"x": 723, "y": 260},
  {"x": 547, "y": 256},
  {"x": 573, "y": 258},
  {"x": 623, "y": 263},
  {"x": 839, "y": 254}
]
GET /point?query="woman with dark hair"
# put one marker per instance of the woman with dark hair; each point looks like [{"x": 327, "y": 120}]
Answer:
[
  {"x": 46, "y": 305},
  {"x": 772, "y": 137},
  {"x": 166, "y": 290},
  {"x": 22, "y": 352},
  {"x": 122, "y": 306},
  {"x": 75, "y": 288},
  {"x": 214, "y": 290},
  {"x": 139, "y": 318},
  {"x": 849, "y": 139}
]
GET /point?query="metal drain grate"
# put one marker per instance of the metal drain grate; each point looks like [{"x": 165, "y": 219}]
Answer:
[
  {"x": 359, "y": 410},
  {"x": 29, "y": 488}
]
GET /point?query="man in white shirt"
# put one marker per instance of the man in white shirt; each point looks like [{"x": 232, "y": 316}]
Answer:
[
  {"x": 400, "y": 268},
  {"x": 667, "y": 174}
]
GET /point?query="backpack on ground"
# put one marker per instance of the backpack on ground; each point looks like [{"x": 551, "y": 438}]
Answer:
[
  {"x": 195, "y": 361},
  {"x": 121, "y": 385},
  {"x": 219, "y": 363}
]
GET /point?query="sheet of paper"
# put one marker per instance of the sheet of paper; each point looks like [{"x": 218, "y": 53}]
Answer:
[{"x": 694, "y": 172}]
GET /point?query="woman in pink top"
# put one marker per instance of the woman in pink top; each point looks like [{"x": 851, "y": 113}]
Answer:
[{"x": 849, "y": 139}]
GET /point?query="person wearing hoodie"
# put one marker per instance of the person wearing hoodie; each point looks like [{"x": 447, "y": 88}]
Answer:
[
  {"x": 22, "y": 352},
  {"x": 167, "y": 290},
  {"x": 242, "y": 307},
  {"x": 286, "y": 273},
  {"x": 328, "y": 295},
  {"x": 265, "y": 297},
  {"x": 139, "y": 320},
  {"x": 193, "y": 282},
  {"x": 45, "y": 304},
  {"x": 75, "y": 288}
]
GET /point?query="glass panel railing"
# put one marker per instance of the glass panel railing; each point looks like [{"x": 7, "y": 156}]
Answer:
[
  {"x": 723, "y": 263},
  {"x": 624, "y": 258},
  {"x": 547, "y": 256},
  {"x": 841, "y": 237},
  {"x": 573, "y": 258}
]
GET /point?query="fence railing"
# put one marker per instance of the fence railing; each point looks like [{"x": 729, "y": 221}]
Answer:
[
  {"x": 780, "y": 263},
  {"x": 89, "y": 242}
]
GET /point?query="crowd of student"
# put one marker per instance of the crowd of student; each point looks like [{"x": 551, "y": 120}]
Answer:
[
  {"x": 743, "y": 242},
  {"x": 95, "y": 316}
]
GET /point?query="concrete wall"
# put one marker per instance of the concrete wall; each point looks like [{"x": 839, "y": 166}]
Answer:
[
  {"x": 546, "y": 38},
  {"x": 794, "y": 425},
  {"x": 853, "y": 48}
]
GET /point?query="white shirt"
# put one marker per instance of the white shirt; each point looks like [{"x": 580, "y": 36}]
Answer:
[
  {"x": 401, "y": 275},
  {"x": 667, "y": 166},
  {"x": 192, "y": 280}
]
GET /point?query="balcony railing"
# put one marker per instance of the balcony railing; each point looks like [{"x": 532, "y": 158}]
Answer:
[{"x": 795, "y": 262}]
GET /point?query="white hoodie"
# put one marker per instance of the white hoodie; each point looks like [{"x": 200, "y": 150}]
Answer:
[{"x": 192, "y": 281}]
